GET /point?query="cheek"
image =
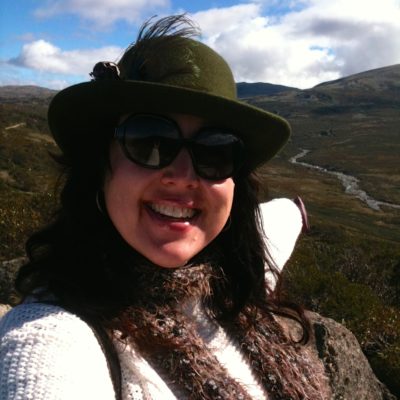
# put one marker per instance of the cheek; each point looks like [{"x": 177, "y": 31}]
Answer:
[
  {"x": 227, "y": 193},
  {"x": 221, "y": 200},
  {"x": 119, "y": 188},
  {"x": 121, "y": 179}
]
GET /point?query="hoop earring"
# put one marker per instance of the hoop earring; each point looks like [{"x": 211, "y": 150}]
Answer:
[
  {"x": 228, "y": 224},
  {"x": 99, "y": 207}
]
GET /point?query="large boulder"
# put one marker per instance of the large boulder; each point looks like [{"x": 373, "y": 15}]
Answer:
[{"x": 348, "y": 371}]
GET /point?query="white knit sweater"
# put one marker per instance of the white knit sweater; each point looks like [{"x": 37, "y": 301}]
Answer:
[{"x": 47, "y": 353}]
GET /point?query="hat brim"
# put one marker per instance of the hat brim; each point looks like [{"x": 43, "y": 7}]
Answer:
[{"x": 89, "y": 107}]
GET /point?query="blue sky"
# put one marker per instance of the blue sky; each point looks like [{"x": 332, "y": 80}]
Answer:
[{"x": 55, "y": 43}]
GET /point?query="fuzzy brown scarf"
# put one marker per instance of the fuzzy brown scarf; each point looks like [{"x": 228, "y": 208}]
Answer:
[{"x": 164, "y": 335}]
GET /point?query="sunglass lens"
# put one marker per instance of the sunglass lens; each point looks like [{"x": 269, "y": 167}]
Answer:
[
  {"x": 144, "y": 151},
  {"x": 217, "y": 155},
  {"x": 150, "y": 141}
]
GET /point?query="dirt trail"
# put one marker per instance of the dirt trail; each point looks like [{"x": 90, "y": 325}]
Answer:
[{"x": 15, "y": 126}]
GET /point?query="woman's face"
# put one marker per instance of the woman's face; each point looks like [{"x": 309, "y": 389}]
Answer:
[{"x": 167, "y": 215}]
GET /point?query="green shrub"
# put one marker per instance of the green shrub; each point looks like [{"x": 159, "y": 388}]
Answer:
[
  {"x": 330, "y": 277},
  {"x": 20, "y": 215}
]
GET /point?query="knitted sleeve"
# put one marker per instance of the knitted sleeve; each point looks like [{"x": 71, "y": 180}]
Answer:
[{"x": 49, "y": 353}]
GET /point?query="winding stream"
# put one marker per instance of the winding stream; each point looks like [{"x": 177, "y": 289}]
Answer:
[{"x": 349, "y": 182}]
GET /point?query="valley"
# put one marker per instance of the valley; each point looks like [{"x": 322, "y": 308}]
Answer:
[{"x": 342, "y": 160}]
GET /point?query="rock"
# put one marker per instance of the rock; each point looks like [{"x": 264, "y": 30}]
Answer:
[
  {"x": 347, "y": 369},
  {"x": 8, "y": 271},
  {"x": 350, "y": 375}
]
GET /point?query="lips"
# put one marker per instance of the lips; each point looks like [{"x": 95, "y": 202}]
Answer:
[{"x": 175, "y": 212}]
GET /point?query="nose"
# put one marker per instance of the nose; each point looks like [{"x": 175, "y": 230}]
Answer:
[{"x": 180, "y": 171}]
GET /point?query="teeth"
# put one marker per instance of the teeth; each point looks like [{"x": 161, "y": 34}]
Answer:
[{"x": 175, "y": 212}]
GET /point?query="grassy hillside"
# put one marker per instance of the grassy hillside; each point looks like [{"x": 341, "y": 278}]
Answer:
[
  {"x": 27, "y": 173},
  {"x": 247, "y": 90},
  {"x": 347, "y": 268}
]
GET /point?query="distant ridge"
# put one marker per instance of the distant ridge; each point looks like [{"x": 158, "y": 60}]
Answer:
[
  {"x": 389, "y": 73},
  {"x": 378, "y": 87},
  {"x": 18, "y": 93},
  {"x": 357, "y": 94},
  {"x": 23, "y": 93},
  {"x": 381, "y": 84},
  {"x": 245, "y": 89}
]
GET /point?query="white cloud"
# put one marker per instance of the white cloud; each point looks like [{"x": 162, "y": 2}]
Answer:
[
  {"x": 217, "y": 21},
  {"x": 45, "y": 57},
  {"x": 13, "y": 75},
  {"x": 314, "y": 41},
  {"x": 305, "y": 43},
  {"x": 361, "y": 35},
  {"x": 102, "y": 12}
]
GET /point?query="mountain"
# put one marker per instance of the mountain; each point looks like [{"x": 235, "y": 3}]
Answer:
[
  {"x": 370, "y": 89},
  {"x": 347, "y": 267},
  {"x": 25, "y": 94},
  {"x": 20, "y": 94},
  {"x": 246, "y": 90},
  {"x": 383, "y": 81},
  {"x": 376, "y": 88},
  {"x": 352, "y": 126}
]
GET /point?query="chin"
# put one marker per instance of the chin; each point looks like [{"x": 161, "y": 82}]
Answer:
[
  {"x": 169, "y": 261},
  {"x": 172, "y": 255}
]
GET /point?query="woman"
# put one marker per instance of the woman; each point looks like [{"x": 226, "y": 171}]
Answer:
[{"x": 150, "y": 281}]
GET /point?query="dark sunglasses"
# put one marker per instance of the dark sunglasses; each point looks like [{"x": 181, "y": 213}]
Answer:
[{"x": 153, "y": 142}]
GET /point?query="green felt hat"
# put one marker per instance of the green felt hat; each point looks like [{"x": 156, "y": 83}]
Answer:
[{"x": 164, "y": 75}]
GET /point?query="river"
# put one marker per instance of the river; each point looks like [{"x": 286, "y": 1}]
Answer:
[{"x": 350, "y": 183}]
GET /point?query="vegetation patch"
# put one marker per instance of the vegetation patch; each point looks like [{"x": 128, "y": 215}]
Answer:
[
  {"x": 353, "y": 279},
  {"x": 347, "y": 268}
]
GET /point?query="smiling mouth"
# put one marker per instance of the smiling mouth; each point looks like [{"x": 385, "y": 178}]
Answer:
[{"x": 178, "y": 213}]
